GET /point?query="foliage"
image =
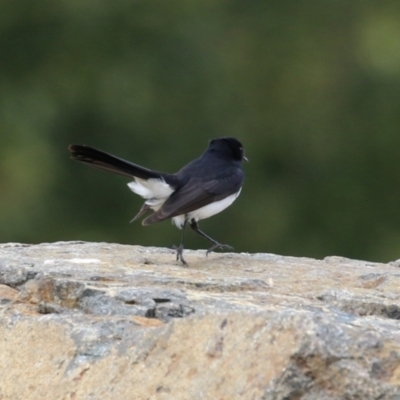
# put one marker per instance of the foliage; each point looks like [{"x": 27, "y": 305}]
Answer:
[{"x": 311, "y": 88}]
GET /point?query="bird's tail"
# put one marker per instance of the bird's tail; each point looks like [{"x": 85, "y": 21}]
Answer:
[{"x": 100, "y": 159}]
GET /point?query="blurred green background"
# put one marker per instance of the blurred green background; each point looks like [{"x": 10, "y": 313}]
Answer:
[{"x": 311, "y": 88}]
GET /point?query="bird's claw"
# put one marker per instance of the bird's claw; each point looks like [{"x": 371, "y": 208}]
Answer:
[
  {"x": 219, "y": 246},
  {"x": 179, "y": 252}
]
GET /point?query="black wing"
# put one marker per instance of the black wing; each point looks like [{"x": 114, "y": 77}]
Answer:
[{"x": 196, "y": 194}]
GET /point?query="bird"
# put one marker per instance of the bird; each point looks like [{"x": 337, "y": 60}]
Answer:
[{"x": 202, "y": 188}]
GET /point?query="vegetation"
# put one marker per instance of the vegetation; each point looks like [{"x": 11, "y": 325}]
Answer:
[{"x": 311, "y": 88}]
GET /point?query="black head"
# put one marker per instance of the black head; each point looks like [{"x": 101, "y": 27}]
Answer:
[{"x": 227, "y": 147}]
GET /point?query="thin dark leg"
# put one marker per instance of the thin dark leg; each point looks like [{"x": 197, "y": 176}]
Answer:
[
  {"x": 179, "y": 250},
  {"x": 216, "y": 245}
]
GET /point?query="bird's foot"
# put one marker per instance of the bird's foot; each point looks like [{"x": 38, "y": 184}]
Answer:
[
  {"x": 219, "y": 246},
  {"x": 179, "y": 254}
]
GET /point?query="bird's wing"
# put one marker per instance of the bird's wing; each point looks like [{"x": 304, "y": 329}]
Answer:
[{"x": 196, "y": 194}]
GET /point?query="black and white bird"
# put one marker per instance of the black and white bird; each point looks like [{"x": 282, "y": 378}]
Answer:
[{"x": 201, "y": 189}]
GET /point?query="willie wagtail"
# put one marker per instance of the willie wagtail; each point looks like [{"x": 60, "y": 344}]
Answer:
[{"x": 201, "y": 189}]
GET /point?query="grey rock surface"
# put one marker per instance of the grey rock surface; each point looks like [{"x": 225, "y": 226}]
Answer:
[{"x": 106, "y": 321}]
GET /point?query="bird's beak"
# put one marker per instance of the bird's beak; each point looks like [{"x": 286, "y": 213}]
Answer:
[{"x": 245, "y": 159}]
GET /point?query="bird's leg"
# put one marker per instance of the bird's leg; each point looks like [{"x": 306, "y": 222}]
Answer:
[
  {"x": 216, "y": 245},
  {"x": 179, "y": 249}
]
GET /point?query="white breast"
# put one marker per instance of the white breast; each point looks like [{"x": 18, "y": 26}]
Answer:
[{"x": 206, "y": 211}]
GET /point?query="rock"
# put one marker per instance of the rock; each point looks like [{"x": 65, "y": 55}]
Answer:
[{"x": 106, "y": 321}]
